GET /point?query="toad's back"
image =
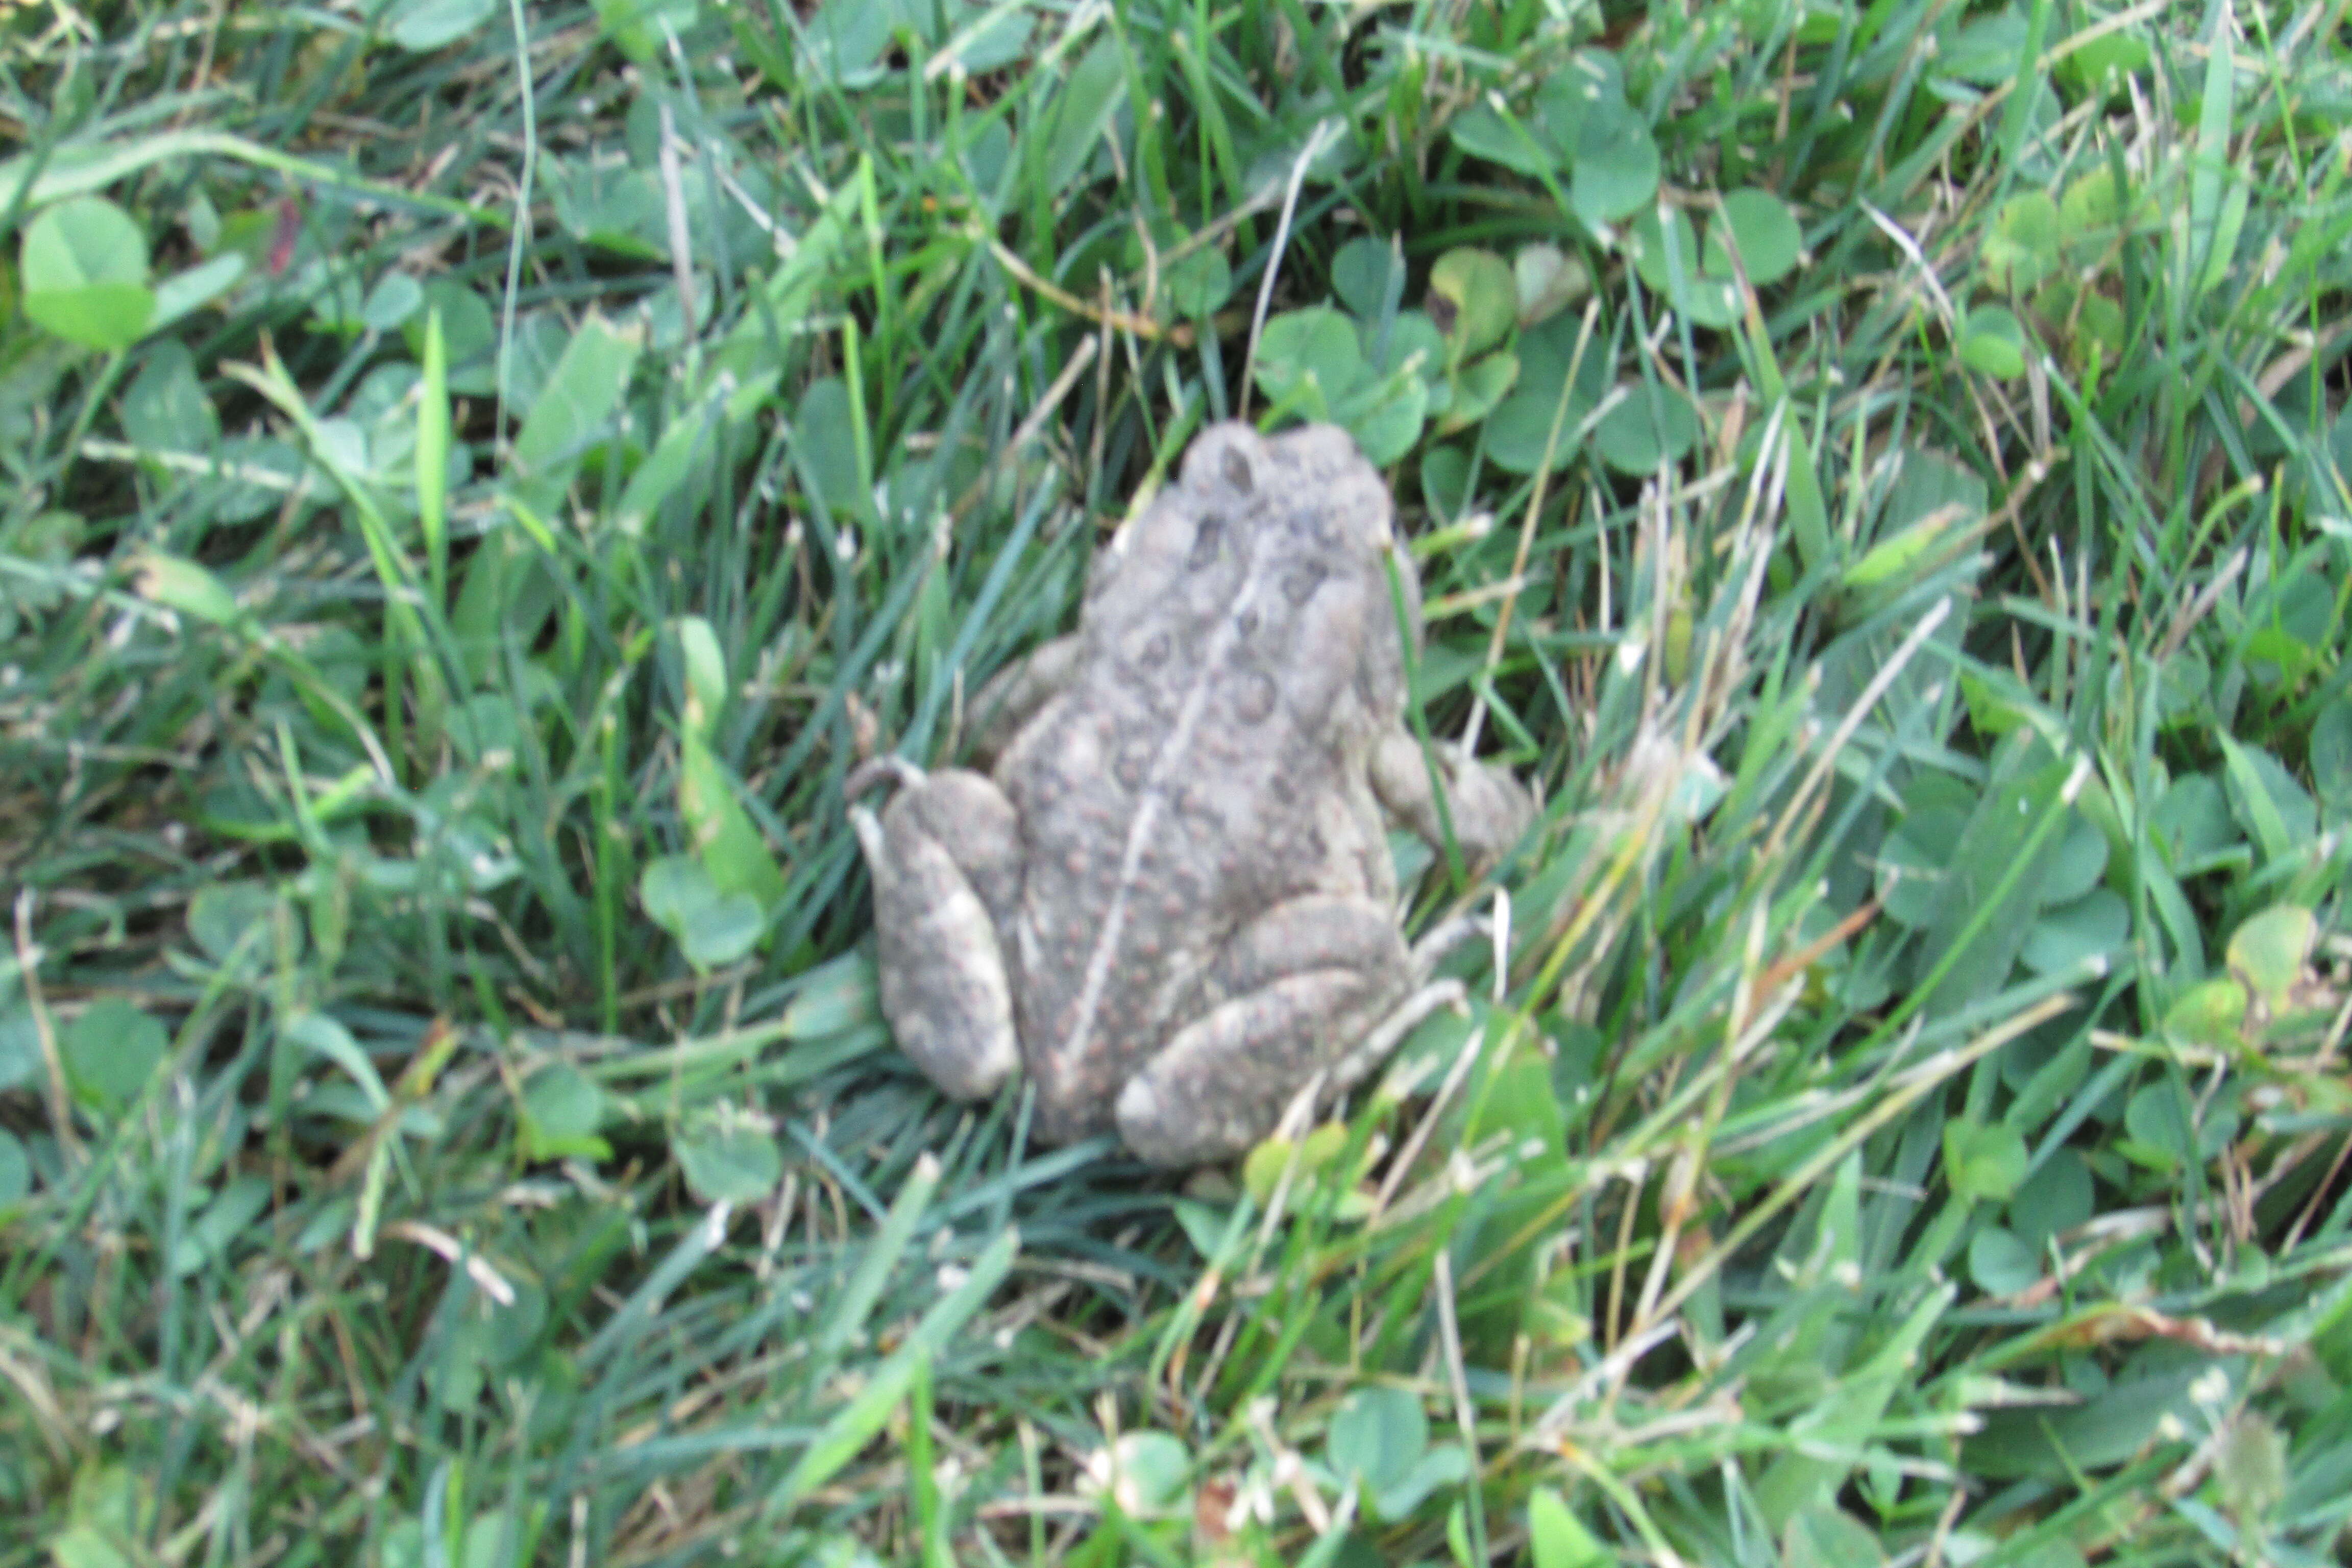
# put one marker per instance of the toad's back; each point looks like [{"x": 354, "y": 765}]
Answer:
[{"x": 1238, "y": 655}]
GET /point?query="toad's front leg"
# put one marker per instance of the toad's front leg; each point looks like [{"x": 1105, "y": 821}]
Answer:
[
  {"x": 945, "y": 857},
  {"x": 1296, "y": 989},
  {"x": 1487, "y": 807},
  {"x": 1004, "y": 706}
]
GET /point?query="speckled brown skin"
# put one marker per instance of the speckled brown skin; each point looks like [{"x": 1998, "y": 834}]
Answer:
[{"x": 1172, "y": 898}]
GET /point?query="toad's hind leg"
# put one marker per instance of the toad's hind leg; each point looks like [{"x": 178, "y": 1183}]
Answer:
[
  {"x": 946, "y": 862},
  {"x": 1300, "y": 987}
]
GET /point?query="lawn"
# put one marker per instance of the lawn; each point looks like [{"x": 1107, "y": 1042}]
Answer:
[{"x": 479, "y": 476}]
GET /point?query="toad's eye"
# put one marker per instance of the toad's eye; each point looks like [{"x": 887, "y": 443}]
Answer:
[
  {"x": 1237, "y": 472},
  {"x": 1205, "y": 542},
  {"x": 1298, "y": 584}
]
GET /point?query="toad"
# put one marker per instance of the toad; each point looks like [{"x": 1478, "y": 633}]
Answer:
[{"x": 1169, "y": 898}]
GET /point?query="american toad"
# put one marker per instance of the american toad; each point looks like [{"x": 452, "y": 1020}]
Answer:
[{"x": 1171, "y": 897}]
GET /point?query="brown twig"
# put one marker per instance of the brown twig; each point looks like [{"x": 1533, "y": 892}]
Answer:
[{"x": 1181, "y": 333}]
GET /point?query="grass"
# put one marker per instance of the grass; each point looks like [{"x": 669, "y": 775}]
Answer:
[{"x": 479, "y": 476}]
